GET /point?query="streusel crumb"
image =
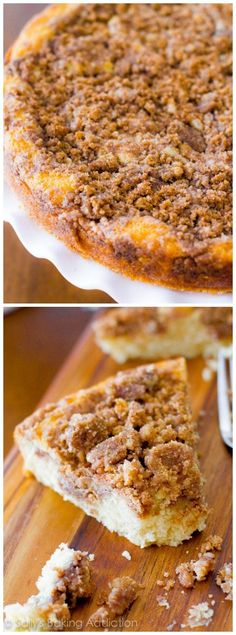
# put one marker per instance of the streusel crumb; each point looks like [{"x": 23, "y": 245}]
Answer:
[
  {"x": 224, "y": 579},
  {"x": 121, "y": 594},
  {"x": 198, "y": 570},
  {"x": 139, "y": 115}
]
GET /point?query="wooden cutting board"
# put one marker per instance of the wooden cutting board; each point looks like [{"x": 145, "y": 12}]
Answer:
[{"x": 38, "y": 520}]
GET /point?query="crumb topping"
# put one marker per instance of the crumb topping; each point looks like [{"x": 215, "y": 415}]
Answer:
[
  {"x": 135, "y": 431},
  {"x": 130, "y": 321},
  {"x": 139, "y": 116},
  {"x": 218, "y": 320},
  {"x": 151, "y": 321},
  {"x": 121, "y": 594}
]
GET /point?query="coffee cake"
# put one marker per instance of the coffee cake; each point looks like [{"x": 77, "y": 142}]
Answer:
[
  {"x": 118, "y": 136},
  {"x": 163, "y": 332},
  {"x": 125, "y": 452}
]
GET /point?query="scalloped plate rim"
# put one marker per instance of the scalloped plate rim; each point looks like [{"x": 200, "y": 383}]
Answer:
[{"x": 41, "y": 244}]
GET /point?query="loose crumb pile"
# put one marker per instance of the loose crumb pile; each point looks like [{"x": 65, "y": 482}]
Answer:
[
  {"x": 65, "y": 578},
  {"x": 199, "y": 615},
  {"x": 224, "y": 579},
  {"x": 198, "y": 570},
  {"x": 163, "y": 602},
  {"x": 211, "y": 543},
  {"x": 171, "y": 626},
  {"x": 120, "y": 595},
  {"x": 166, "y": 584}
]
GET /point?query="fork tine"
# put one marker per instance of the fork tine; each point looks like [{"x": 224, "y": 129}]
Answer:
[
  {"x": 225, "y": 421},
  {"x": 231, "y": 371}
]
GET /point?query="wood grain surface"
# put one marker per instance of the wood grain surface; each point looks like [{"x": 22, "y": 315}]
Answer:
[
  {"x": 30, "y": 280},
  {"x": 37, "y": 519},
  {"x": 36, "y": 344}
]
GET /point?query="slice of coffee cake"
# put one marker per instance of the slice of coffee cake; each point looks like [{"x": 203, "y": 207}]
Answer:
[
  {"x": 125, "y": 452},
  {"x": 153, "y": 333}
]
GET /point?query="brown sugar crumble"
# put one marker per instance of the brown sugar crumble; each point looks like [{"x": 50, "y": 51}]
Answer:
[
  {"x": 138, "y": 117},
  {"x": 197, "y": 570},
  {"x": 212, "y": 543},
  {"x": 121, "y": 594},
  {"x": 137, "y": 432},
  {"x": 166, "y": 584},
  {"x": 224, "y": 579},
  {"x": 152, "y": 320}
]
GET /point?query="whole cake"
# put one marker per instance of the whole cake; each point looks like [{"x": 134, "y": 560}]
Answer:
[{"x": 118, "y": 136}]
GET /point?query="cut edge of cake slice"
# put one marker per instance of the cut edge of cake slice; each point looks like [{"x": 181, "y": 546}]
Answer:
[
  {"x": 152, "y": 333},
  {"x": 124, "y": 451}
]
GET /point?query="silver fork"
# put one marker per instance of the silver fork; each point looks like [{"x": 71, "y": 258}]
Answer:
[{"x": 224, "y": 392}]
